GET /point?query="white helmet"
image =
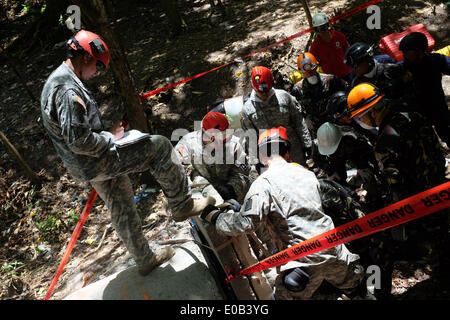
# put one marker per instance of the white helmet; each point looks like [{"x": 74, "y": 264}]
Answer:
[
  {"x": 320, "y": 19},
  {"x": 328, "y": 136}
]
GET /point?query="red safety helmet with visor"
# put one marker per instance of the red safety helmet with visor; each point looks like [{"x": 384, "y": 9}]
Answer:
[
  {"x": 216, "y": 127},
  {"x": 262, "y": 79},
  {"x": 274, "y": 135},
  {"x": 88, "y": 42}
]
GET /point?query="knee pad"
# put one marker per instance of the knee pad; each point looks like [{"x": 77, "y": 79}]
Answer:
[{"x": 296, "y": 280}]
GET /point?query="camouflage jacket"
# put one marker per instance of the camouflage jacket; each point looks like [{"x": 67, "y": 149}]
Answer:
[
  {"x": 354, "y": 149},
  {"x": 283, "y": 207},
  {"x": 388, "y": 77},
  {"x": 281, "y": 109},
  {"x": 314, "y": 98},
  {"x": 227, "y": 167},
  {"x": 409, "y": 154},
  {"x": 72, "y": 119}
]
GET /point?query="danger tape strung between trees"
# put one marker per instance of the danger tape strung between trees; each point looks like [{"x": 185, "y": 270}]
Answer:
[
  {"x": 335, "y": 19},
  {"x": 422, "y": 204}
]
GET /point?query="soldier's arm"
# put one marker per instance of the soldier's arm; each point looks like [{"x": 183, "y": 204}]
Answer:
[
  {"x": 247, "y": 219},
  {"x": 182, "y": 152},
  {"x": 76, "y": 131},
  {"x": 299, "y": 122},
  {"x": 239, "y": 178}
]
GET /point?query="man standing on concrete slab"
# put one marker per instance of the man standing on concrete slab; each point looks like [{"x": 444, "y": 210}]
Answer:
[{"x": 89, "y": 153}]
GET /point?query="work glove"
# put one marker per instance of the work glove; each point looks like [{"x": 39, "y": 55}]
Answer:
[
  {"x": 226, "y": 192},
  {"x": 210, "y": 214},
  {"x": 234, "y": 205}
]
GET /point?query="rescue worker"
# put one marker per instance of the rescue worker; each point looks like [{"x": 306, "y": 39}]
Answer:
[
  {"x": 329, "y": 48},
  {"x": 388, "y": 77},
  {"x": 217, "y": 156},
  {"x": 231, "y": 107},
  {"x": 411, "y": 161},
  {"x": 336, "y": 109},
  {"x": 314, "y": 90},
  {"x": 72, "y": 120},
  {"x": 268, "y": 107},
  {"x": 341, "y": 147},
  {"x": 425, "y": 81},
  {"x": 283, "y": 207}
]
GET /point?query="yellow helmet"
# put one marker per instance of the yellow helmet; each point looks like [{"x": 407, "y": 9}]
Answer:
[{"x": 362, "y": 97}]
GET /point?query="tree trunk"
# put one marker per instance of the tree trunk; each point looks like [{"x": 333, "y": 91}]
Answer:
[
  {"x": 170, "y": 8},
  {"x": 95, "y": 15},
  {"x": 309, "y": 17}
]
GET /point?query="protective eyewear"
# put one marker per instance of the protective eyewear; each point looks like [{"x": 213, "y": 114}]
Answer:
[
  {"x": 309, "y": 66},
  {"x": 100, "y": 66},
  {"x": 325, "y": 27}
]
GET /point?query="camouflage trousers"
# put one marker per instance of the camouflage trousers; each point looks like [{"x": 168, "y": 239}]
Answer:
[
  {"x": 337, "y": 272},
  {"x": 115, "y": 189}
]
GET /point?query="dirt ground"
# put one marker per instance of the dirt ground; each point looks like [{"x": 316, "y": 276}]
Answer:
[{"x": 35, "y": 224}]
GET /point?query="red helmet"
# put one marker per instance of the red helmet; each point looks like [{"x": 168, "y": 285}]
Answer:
[
  {"x": 91, "y": 43},
  {"x": 215, "y": 124},
  {"x": 262, "y": 79}
]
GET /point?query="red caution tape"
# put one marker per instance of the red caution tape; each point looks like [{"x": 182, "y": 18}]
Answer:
[
  {"x": 341, "y": 16},
  {"x": 73, "y": 239},
  {"x": 422, "y": 204}
]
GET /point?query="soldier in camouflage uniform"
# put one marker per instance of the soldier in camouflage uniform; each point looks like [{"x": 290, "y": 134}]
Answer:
[
  {"x": 222, "y": 164},
  {"x": 388, "y": 77},
  {"x": 314, "y": 91},
  {"x": 411, "y": 161},
  {"x": 341, "y": 147},
  {"x": 89, "y": 153},
  {"x": 283, "y": 207},
  {"x": 269, "y": 107}
]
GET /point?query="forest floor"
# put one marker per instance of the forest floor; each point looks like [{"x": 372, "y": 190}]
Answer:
[{"x": 36, "y": 223}]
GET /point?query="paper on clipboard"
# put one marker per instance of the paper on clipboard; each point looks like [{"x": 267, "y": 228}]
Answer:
[{"x": 131, "y": 137}]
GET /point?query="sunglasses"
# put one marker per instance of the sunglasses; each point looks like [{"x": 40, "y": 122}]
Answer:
[
  {"x": 100, "y": 66},
  {"x": 325, "y": 27}
]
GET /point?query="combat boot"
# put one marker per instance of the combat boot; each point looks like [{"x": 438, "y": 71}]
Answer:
[
  {"x": 159, "y": 258},
  {"x": 193, "y": 207}
]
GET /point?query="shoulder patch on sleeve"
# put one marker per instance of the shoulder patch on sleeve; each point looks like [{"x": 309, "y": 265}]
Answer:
[
  {"x": 81, "y": 102},
  {"x": 183, "y": 152},
  {"x": 248, "y": 204}
]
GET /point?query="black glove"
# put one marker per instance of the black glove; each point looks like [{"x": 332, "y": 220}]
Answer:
[
  {"x": 296, "y": 280},
  {"x": 226, "y": 192},
  {"x": 234, "y": 205},
  {"x": 210, "y": 214}
]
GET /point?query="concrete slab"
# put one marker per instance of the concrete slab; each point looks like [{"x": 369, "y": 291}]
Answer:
[{"x": 184, "y": 277}]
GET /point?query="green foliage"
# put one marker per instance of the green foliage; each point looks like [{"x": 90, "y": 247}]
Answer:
[
  {"x": 11, "y": 267},
  {"x": 49, "y": 225},
  {"x": 74, "y": 217}
]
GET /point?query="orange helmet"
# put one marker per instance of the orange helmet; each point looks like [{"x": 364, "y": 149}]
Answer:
[
  {"x": 306, "y": 62},
  {"x": 362, "y": 97},
  {"x": 273, "y": 135},
  {"x": 262, "y": 79},
  {"x": 89, "y": 42}
]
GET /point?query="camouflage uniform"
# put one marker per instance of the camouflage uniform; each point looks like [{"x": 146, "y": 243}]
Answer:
[
  {"x": 73, "y": 122},
  {"x": 280, "y": 109},
  {"x": 283, "y": 207},
  {"x": 314, "y": 98},
  {"x": 388, "y": 77},
  {"x": 229, "y": 168},
  {"x": 411, "y": 161},
  {"x": 356, "y": 151}
]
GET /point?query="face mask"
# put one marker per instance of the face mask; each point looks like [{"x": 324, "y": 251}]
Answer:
[
  {"x": 366, "y": 126},
  {"x": 313, "y": 79}
]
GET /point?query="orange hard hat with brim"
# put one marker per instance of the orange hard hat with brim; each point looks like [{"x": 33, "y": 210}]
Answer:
[
  {"x": 362, "y": 97},
  {"x": 273, "y": 135}
]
